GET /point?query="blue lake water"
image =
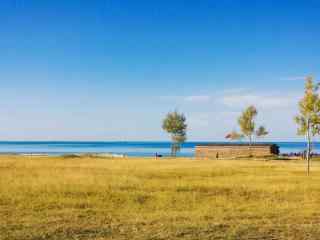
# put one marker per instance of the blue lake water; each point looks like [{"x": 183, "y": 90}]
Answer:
[{"x": 128, "y": 148}]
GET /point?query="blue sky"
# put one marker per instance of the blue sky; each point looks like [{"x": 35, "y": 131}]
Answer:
[{"x": 111, "y": 70}]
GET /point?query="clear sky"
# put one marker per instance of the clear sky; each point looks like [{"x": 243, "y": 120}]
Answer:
[{"x": 111, "y": 70}]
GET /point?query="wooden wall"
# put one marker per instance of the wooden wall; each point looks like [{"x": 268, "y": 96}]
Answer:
[{"x": 233, "y": 151}]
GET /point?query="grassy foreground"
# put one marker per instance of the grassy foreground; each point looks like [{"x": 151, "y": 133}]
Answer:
[{"x": 96, "y": 198}]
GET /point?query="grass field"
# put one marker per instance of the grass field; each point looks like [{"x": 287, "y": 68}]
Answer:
[{"x": 96, "y": 198}]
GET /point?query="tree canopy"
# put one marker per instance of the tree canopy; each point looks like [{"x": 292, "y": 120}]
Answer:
[
  {"x": 261, "y": 132},
  {"x": 175, "y": 124},
  {"x": 248, "y": 126},
  {"x": 308, "y": 119},
  {"x": 246, "y": 122}
]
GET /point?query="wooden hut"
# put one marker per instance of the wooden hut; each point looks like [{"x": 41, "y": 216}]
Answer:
[{"x": 234, "y": 150}]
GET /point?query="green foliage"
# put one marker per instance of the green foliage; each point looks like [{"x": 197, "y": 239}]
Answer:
[
  {"x": 246, "y": 121},
  {"x": 261, "y": 132},
  {"x": 248, "y": 126},
  {"x": 309, "y": 110},
  {"x": 308, "y": 120},
  {"x": 175, "y": 124}
]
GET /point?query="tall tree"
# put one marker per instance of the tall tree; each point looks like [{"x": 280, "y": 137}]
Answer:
[
  {"x": 175, "y": 124},
  {"x": 247, "y": 123},
  {"x": 308, "y": 118},
  {"x": 248, "y": 126}
]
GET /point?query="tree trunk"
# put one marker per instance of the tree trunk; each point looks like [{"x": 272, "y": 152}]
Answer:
[
  {"x": 172, "y": 149},
  {"x": 250, "y": 145},
  {"x": 308, "y": 147}
]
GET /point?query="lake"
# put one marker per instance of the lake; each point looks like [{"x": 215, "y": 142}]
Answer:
[{"x": 131, "y": 148}]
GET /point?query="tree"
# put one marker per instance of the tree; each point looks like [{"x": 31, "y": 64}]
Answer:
[
  {"x": 234, "y": 136},
  {"x": 175, "y": 124},
  {"x": 261, "y": 132},
  {"x": 309, "y": 115},
  {"x": 248, "y": 126}
]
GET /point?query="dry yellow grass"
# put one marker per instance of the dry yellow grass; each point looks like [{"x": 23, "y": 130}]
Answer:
[{"x": 96, "y": 198}]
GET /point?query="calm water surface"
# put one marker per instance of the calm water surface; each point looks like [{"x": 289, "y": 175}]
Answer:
[{"x": 128, "y": 148}]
